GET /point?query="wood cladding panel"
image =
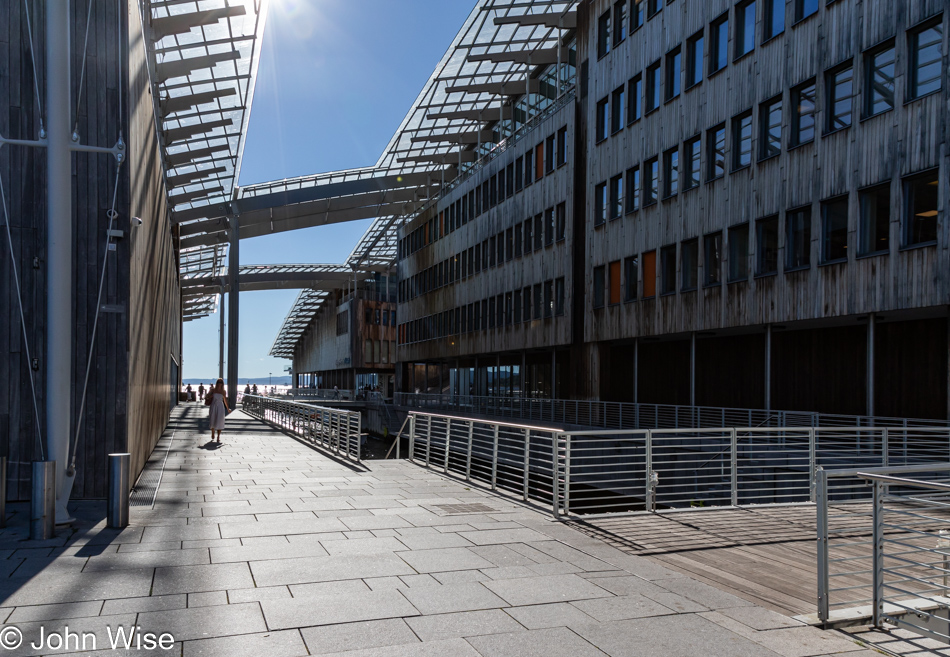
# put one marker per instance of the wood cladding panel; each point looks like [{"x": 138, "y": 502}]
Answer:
[
  {"x": 910, "y": 376},
  {"x": 663, "y": 372},
  {"x": 730, "y": 371}
]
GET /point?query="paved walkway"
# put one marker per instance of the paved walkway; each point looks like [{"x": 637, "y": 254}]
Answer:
[{"x": 266, "y": 547}]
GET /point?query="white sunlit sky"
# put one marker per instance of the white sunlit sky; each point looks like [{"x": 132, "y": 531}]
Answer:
[{"x": 336, "y": 78}]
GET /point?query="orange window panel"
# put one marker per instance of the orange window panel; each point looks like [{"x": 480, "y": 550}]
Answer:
[
  {"x": 649, "y": 274},
  {"x": 539, "y": 161},
  {"x": 614, "y": 282}
]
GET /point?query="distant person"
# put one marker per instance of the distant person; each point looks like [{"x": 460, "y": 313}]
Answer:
[
  {"x": 219, "y": 409},
  {"x": 336, "y": 392},
  {"x": 190, "y": 392},
  {"x": 254, "y": 389},
  {"x": 247, "y": 389},
  {"x": 201, "y": 391}
]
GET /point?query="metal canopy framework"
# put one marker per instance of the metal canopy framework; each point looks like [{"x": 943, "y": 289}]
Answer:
[
  {"x": 203, "y": 58},
  {"x": 274, "y": 277},
  {"x": 510, "y": 61}
]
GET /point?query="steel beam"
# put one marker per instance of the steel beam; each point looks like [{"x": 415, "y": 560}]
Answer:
[{"x": 234, "y": 264}]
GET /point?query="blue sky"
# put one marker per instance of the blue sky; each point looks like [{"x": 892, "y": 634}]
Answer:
[{"x": 336, "y": 78}]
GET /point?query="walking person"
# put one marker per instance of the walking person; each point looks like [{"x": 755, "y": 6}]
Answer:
[
  {"x": 219, "y": 409},
  {"x": 201, "y": 391}
]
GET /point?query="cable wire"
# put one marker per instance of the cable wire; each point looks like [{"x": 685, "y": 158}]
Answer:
[
  {"x": 26, "y": 339},
  {"x": 82, "y": 72},
  {"x": 36, "y": 80}
]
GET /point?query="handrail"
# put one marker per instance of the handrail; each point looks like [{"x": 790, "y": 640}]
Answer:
[
  {"x": 396, "y": 441},
  {"x": 885, "y": 479},
  {"x": 322, "y": 426}
]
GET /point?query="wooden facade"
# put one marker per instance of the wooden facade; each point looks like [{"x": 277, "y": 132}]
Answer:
[
  {"x": 138, "y": 336},
  {"x": 699, "y": 327}
]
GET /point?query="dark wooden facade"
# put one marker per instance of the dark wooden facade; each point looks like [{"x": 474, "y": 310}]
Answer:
[{"x": 130, "y": 387}]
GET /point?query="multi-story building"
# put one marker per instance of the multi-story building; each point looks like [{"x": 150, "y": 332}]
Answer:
[{"x": 738, "y": 204}]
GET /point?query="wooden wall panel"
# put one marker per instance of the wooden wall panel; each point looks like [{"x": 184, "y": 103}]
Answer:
[{"x": 910, "y": 377}]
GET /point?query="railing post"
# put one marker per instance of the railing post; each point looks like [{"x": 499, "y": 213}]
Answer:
[
  {"x": 885, "y": 448},
  {"x": 734, "y": 465},
  {"x": 650, "y": 482},
  {"x": 468, "y": 456},
  {"x": 527, "y": 452},
  {"x": 821, "y": 513},
  {"x": 567, "y": 474},
  {"x": 812, "y": 464},
  {"x": 428, "y": 438},
  {"x": 448, "y": 439},
  {"x": 555, "y": 502},
  {"x": 412, "y": 437},
  {"x": 494, "y": 460},
  {"x": 877, "y": 604}
]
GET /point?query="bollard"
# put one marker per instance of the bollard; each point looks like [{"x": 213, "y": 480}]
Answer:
[
  {"x": 119, "y": 490},
  {"x": 3, "y": 491},
  {"x": 43, "y": 501}
]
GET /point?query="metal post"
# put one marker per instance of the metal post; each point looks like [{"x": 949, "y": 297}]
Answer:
[
  {"x": 234, "y": 263},
  {"x": 428, "y": 438},
  {"x": 567, "y": 474},
  {"x": 734, "y": 465},
  {"x": 636, "y": 375},
  {"x": 43, "y": 501},
  {"x": 822, "y": 530},
  {"x": 648, "y": 470},
  {"x": 527, "y": 453},
  {"x": 768, "y": 367},
  {"x": 494, "y": 460},
  {"x": 885, "y": 448},
  {"x": 812, "y": 464},
  {"x": 119, "y": 471},
  {"x": 877, "y": 605},
  {"x": 3, "y": 491},
  {"x": 221, "y": 335},
  {"x": 555, "y": 502},
  {"x": 870, "y": 365},
  {"x": 468, "y": 456},
  {"x": 692, "y": 373},
  {"x": 448, "y": 440},
  {"x": 59, "y": 253},
  {"x": 412, "y": 437}
]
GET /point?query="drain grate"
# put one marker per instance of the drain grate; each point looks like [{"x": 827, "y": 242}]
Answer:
[
  {"x": 146, "y": 488},
  {"x": 452, "y": 509}
]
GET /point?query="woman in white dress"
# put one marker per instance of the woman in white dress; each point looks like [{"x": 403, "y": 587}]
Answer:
[{"x": 219, "y": 409}]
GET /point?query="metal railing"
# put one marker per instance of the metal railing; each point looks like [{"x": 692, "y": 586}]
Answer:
[
  {"x": 330, "y": 428},
  {"x": 856, "y": 523},
  {"x": 627, "y": 415},
  {"x": 328, "y": 394}
]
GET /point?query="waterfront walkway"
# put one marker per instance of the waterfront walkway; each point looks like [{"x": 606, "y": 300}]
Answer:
[{"x": 266, "y": 547}]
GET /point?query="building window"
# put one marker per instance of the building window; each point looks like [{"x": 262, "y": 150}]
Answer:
[
  {"x": 636, "y": 15},
  {"x": 653, "y": 87},
  {"x": 803, "y": 113},
  {"x": 745, "y": 28},
  {"x": 839, "y": 89},
  {"x": 719, "y": 44},
  {"x": 875, "y": 220},
  {"x": 668, "y": 269},
  {"x": 654, "y": 7},
  {"x": 600, "y": 204},
  {"x": 549, "y": 226},
  {"x": 798, "y": 239},
  {"x": 674, "y": 63},
  {"x": 921, "y": 209},
  {"x": 509, "y": 244},
  {"x": 694, "y": 59},
  {"x": 712, "y": 259},
  {"x": 620, "y": 22},
  {"x": 517, "y": 306},
  {"x": 518, "y": 236},
  {"x": 561, "y": 221},
  {"x": 689, "y": 254},
  {"x": 559, "y": 296},
  {"x": 527, "y": 237},
  {"x": 603, "y": 109},
  {"x": 603, "y": 34},
  {"x": 616, "y": 110},
  {"x": 599, "y": 286},
  {"x": 649, "y": 274},
  {"x": 634, "y": 93},
  {"x": 613, "y": 283},
  {"x": 716, "y": 157},
  {"x": 805, "y": 8},
  {"x": 770, "y": 128},
  {"x": 879, "y": 81},
  {"x": 652, "y": 191},
  {"x": 527, "y": 303},
  {"x": 538, "y": 231},
  {"x": 766, "y": 246},
  {"x": 368, "y": 351},
  {"x": 774, "y": 21},
  {"x": 739, "y": 253},
  {"x": 633, "y": 189},
  {"x": 616, "y": 197},
  {"x": 548, "y": 154},
  {"x": 561, "y": 148},
  {"x": 630, "y": 274},
  {"x": 671, "y": 172},
  {"x": 926, "y": 59},
  {"x": 742, "y": 140},
  {"x": 692, "y": 155},
  {"x": 834, "y": 230}
]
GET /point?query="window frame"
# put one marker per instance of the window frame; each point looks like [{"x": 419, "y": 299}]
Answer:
[
  {"x": 765, "y": 126},
  {"x": 697, "y": 69},
  {"x": 867, "y": 58},
  {"x": 654, "y": 76},
  {"x": 615, "y": 197},
  {"x": 601, "y": 204},
  {"x": 863, "y": 234},
  {"x": 907, "y": 200},
  {"x": 634, "y": 185},
  {"x": 795, "y": 102},
  {"x": 708, "y": 239},
  {"x": 711, "y": 142},
  {"x": 715, "y": 45},
  {"x": 671, "y": 170},
  {"x": 654, "y": 193},
  {"x": 672, "y": 74},
  {"x": 741, "y": 27},
  {"x": 832, "y": 100},
  {"x": 826, "y": 243},
  {"x": 736, "y": 146},
  {"x": 769, "y": 16},
  {"x": 634, "y": 108},
  {"x": 799, "y": 11},
  {"x": 689, "y": 276},
  {"x": 617, "y": 110},
  {"x": 790, "y": 265},
  {"x": 603, "y": 34},
  {"x": 688, "y": 157},
  {"x": 602, "y": 120},
  {"x": 913, "y": 51},
  {"x": 760, "y": 246},
  {"x": 598, "y": 295}
]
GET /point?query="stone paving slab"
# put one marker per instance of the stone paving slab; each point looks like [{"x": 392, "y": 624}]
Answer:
[{"x": 268, "y": 547}]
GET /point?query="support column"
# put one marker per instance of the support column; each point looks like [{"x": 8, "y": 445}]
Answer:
[
  {"x": 59, "y": 253},
  {"x": 221, "y": 335},
  {"x": 692, "y": 369},
  {"x": 553, "y": 374},
  {"x": 870, "y": 372},
  {"x": 768, "y": 367},
  {"x": 636, "y": 370},
  {"x": 234, "y": 263}
]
